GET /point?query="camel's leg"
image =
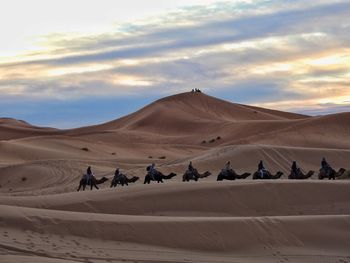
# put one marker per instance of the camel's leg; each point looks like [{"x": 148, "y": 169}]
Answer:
[
  {"x": 115, "y": 183},
  {"x": 79, "y": 187}
]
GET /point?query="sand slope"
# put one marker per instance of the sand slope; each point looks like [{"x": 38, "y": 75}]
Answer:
[
  {"x": 256, "y": 221},
  {"x": 44, "y": 219}
]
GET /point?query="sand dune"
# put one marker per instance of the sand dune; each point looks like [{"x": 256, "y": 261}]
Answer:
[
  {"x": 44, "y": 219},
  {"x": 224, "y": 220},
  {"x": 208, "y": 199},
  {"x": 187, "y": 113},
  {"x": 235, "y": 234},
  {"x": 14, "y": 129}
]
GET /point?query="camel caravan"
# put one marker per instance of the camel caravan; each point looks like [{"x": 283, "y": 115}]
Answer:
[{"x": 227, "y": 173}]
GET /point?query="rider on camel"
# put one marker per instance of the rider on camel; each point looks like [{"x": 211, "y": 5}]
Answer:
[
  {"x": 294, "y": 169},
  {"x": 152, "y": 171},
  {"x": 89, "y": 175},
  {"x": 192, "y": 171},
  {"x": 261, "y": 169},
  {"x": 325, "y": 166}
]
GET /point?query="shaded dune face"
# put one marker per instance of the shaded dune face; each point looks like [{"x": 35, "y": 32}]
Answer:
[
  {"x": 211, "y": 199},
  {"x": 181, "y": 219}
]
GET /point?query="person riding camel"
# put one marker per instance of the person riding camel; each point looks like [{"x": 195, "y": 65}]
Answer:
[
  {"x": 152, "y": 171},
  {"x": 261, "y": 169},
  {"x": 190, "y": 167},
  {"x": 294, "y": 169},
  {"x": 325, "y": 166},
  {"x": 89, "y": 175},
  {"x": 116, "y": 173},
  {"x": 192, "y": 171},
  {"x": 227, "y": 167}
]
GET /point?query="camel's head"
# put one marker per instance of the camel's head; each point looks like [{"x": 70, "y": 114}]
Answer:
[
  {"x": 172, "y": 174},
  {"x": 312, "y": 173},
  {"x": 104, "y": 179},
  {"x": 207, "y": 173},
  {"x": 279, "y": 174},
  {"x": 245, "y": 175},
  {"x": 341, "y": 171},
  {"x": 134, "y": 179}
]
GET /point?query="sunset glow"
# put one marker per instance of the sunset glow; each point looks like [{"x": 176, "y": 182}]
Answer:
[{"x": 284, "y": 55}]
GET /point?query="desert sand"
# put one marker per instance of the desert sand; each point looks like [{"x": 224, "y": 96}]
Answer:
[{"x": 44, "y": 219}]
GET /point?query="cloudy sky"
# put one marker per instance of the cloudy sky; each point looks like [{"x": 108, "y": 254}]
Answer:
[{"x": 70, "y": 63}]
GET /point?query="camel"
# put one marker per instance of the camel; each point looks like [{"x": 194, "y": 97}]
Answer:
[
  {"x": 123, "y": 179},
  {"x": 267, "y": 175},
  {"x": 301, "y": 175},
  {"x": 158, "y": 176},
  {"x": 93, "y": 182},
  {"x": 230, "y": 175},
  {"x": 331, "y": 175},
  {"x": 194, "y": 175}
]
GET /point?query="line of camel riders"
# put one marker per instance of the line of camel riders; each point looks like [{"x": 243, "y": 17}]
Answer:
[{"x": 227, "y": 173}]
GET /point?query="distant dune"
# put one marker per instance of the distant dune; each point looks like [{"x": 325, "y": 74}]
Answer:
[{"x": 44, "y": 219}]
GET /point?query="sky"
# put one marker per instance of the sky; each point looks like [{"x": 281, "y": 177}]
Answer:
[{"x": 72, "y": 63}]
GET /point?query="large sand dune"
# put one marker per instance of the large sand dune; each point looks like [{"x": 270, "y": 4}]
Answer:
[{"x": 44, "y": 219}]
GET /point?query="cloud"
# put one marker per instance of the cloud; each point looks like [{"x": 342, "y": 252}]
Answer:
[
  {"x": 323, "y": 109},
  {"x": 169, "y": 38},
  {"x": 270, "y": 53}
]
